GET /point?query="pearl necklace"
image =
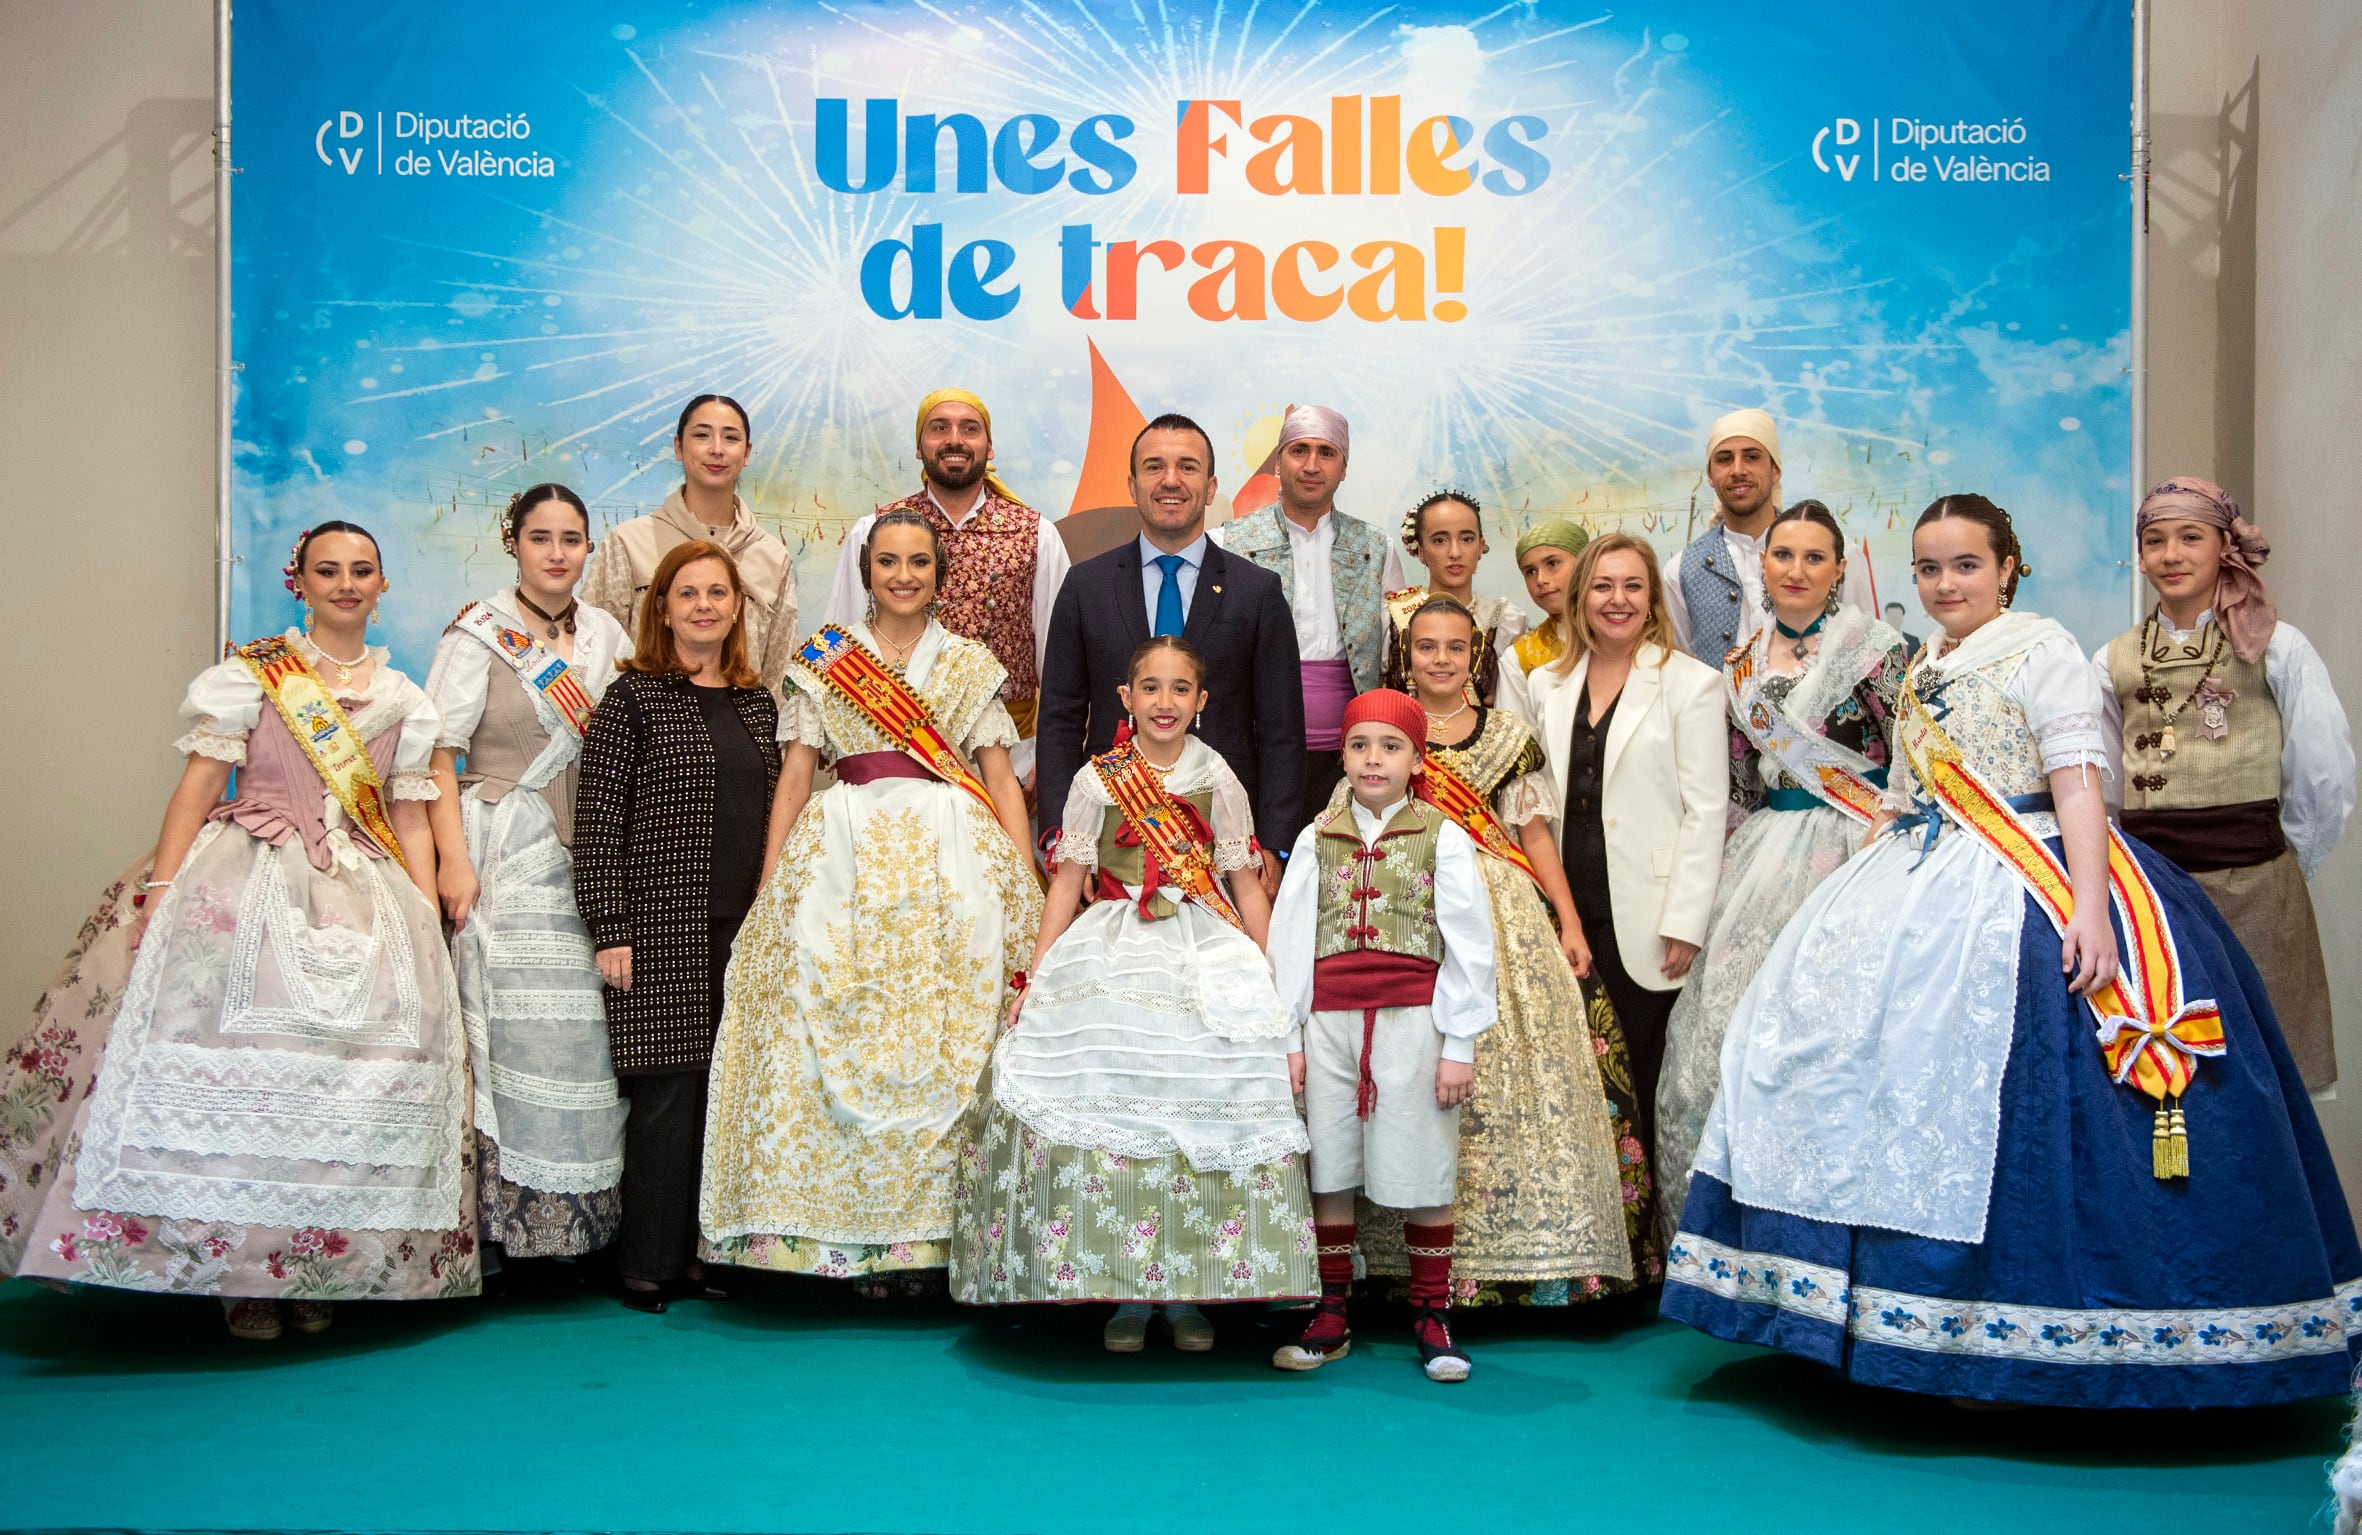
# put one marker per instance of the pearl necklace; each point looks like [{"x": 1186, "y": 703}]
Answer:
[
  {"x": 344, "y": 669},
  {"x": 1436, "y": 722}
]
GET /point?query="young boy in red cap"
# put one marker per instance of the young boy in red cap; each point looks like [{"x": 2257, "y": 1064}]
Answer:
[{"x": 1382, "y": 945}]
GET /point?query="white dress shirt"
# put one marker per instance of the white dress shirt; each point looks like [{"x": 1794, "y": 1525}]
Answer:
[
  {"x": 2316, "y": 748},
  {"x": 1746, "y": 557},
  {"x": 1465, "y": 1004},
  {"x": 1318, "y": 635}
]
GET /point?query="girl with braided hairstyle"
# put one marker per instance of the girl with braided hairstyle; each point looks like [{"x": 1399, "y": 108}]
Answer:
[
  {"x": 250, "y": 1080},
  {"x": 515, "y": 678},
  {"x": 2004, "y": 1116},
  {"x": 1445, "y": 533}
]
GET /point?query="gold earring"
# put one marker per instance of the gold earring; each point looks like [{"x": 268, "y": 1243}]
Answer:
[{"x": 307, "y": 618}]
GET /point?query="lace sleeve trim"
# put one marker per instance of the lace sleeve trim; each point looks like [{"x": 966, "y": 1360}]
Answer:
[
  {"x": 993, "y": 727},
  {"x": 214, "y": 744},
  {"x": 1236, "y": 853},
  {"x": 800, "y": 723},
  {"x": 413, "y": 786},
  {"x": 2072, "y": 740},
  {"x": 1524, "y": 797}
]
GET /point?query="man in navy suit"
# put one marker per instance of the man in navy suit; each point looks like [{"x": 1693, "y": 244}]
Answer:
[{"x": 1172, "y": 579}]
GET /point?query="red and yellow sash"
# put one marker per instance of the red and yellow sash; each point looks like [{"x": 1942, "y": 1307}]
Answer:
[
  {"x": 546, "y": 674},
  {"x": 1448, "y": 792},
  {"x": 1812, "y": 759},
  {"x": 1168, "y": 829},
  {"x": 887, "y": 702},
  {"x": 318, "y": 723},
  {"x": 2150, "y": 1034}
]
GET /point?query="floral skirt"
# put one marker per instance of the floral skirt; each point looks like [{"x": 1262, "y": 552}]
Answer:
[
  {"x": 46, "y": 1083},
  {"x": 538, "y": 1223},
  {"x": 1475, "y": 1282},
  {"x": 1035, "y": 1221}
]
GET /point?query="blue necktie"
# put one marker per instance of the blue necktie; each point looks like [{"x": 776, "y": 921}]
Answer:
[{"x": 1168, "y": 596}]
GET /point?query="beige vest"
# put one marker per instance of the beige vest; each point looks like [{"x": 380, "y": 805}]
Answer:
[
  {"x": 2242, "y": 767},
  {"x": 507, "y": 740}
]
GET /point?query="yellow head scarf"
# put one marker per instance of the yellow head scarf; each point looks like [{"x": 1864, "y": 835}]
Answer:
[{"x": 992, "y": 481}]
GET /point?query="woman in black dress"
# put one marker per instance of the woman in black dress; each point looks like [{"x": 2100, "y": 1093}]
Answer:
[{"x": 677, "y": 771}]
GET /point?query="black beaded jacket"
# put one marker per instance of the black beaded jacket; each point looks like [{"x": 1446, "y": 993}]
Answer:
[{"x": 643, "y": 860}]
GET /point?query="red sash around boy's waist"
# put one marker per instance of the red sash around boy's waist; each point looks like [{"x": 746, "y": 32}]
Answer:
[
  {"x": 1367, "y": 980},
  {"x": 869, "y": 767}
]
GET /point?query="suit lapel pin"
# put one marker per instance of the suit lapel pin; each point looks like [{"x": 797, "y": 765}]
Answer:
[{"x": 1217, "y": 591}]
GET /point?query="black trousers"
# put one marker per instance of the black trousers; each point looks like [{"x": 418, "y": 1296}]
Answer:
[
  {"x": 1641, "y": 1013},
  {"x": 1323, "y": 771},
  {"x": 663, "y": 1148}
]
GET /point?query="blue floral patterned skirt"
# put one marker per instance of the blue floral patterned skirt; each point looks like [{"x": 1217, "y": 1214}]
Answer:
[{"x": 2097, "y": 1285}]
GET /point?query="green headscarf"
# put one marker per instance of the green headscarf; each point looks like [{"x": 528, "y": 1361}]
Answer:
[{"x": 1558, "y": 532}]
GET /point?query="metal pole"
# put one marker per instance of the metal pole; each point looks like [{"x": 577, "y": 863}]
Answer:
[
  {"x": 225, "y": 379},
  {"x": 2140, "y": 283}
]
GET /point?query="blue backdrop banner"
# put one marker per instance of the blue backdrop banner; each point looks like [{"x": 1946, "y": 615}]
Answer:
[{"x": 1530, "y": 250}]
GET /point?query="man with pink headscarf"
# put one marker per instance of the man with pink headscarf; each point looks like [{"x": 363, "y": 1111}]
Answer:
[
  {"x": 2236, "y": 761},
  {"x": 1335, "y": 572}
]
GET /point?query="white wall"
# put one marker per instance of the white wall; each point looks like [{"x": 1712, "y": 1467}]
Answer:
[
  {"x": 106, "y": 438},
  {"x": 106, "y": 313}
]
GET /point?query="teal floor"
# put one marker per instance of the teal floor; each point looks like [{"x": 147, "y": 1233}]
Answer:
[{"x": 798, "y": 1407}]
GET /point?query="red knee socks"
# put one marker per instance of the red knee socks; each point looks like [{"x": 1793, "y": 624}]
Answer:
[{"x": 1431, "y": 1263}]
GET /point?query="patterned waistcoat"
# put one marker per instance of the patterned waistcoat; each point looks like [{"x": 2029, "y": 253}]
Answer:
[
  {"x": 1378, "y": 897},
  {"x": 1711, "y": 590},
  {"x": 1128, "y": 863},
  {"x": 2240, "y": 767},
  {"x": 987, "y": 592},
  {"x": 1357, "y": 579}
]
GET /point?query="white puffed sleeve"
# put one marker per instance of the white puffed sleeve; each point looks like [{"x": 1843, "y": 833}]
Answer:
[
  {"x": 422, "y": 730},
  {"x": 1087, "y": 805},
  {"x": 457, "y": 682},
  {"x": 993, "y": 727},
  {"x": 2316, "y": 748},
  {"x": 1294, "y": 933},
  {"x": 800, "y": 722},
  {"x": 1509, "y": 630},
  {"x": 1465, "y": 1003},
  {"x": 223, "y": 706},
  {"x": 599, "y": 647},
  {"x": 2061, "y": 697},
  {"x": 1523, "y": 798}
]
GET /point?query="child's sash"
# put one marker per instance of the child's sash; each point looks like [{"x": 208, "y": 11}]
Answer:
[
  {"x": 887, "y": 702},
  {"x": 1448, "y": 792},
  {"x": 319, "y": 726},
  {"x": 2149, "y": 1034},
  {"x": 1167, "y": 834},
  {"x": 1834, "y": 774},
  {"x": 545, "y": 674}
]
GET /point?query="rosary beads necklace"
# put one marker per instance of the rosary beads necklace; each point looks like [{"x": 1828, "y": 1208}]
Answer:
[{"x": 2212, "y": 698}]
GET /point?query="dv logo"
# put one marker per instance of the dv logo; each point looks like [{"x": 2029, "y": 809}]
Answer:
[
  {"x": 1846, "y": 131},
  {"x": 346, "y": 126}
]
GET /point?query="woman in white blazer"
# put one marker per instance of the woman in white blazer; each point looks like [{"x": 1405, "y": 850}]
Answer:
[{"x": 1639, "y": 756}]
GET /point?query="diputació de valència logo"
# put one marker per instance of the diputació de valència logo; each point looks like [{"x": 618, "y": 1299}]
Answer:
[
  {"x": 422, "y": 144},
  {"x": 1909, "y": 150}
]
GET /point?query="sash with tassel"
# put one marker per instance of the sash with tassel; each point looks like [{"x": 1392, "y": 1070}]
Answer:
[
  {"x": 2150, "y": 1035},
  {"x": 318, "y": 723},
  {"x": 1836, "y": 776},
  {"x": 1448, "y": 792},
  {"x": 546, "y": 674},
  {"x": 887, "y": 702},
  {"x": 1175, "y": 843}
]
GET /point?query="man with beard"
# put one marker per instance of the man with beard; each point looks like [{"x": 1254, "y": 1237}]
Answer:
[
  {"x": 1335, "y": 572},
  {"x": 1714, "y": 588},
  {"x": 1002, "y": 561}
]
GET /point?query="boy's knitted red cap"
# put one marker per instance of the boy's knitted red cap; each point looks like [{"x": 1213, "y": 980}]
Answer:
[{"x": 1388, "y": 707}]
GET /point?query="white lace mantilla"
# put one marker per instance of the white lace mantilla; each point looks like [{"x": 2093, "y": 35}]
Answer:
[{"x": 1984, "y": 1329}]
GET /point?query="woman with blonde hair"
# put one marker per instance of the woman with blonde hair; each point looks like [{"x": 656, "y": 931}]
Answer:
[
  {"x": 1639, "y": 765},
  {"x": 677, "y": 767}
]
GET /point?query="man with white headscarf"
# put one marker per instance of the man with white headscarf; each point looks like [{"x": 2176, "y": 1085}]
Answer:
[
  {"x": 1335, "y": 572},
  {"x": 1002, "y": 563},
  {"x": 1714, "y": 588}
]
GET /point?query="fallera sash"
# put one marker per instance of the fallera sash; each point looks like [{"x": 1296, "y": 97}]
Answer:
[
  {"x": 887, "y": 702},
  {"x": 1833, "y": 774},
  {"x": 2150, "y": 1034},
  {"x": 1448, "y": 792},
  {"x": 318, "y": 723},
  {"x": 546, "y": 674},
  {"x": 1169, "y": 831}
]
